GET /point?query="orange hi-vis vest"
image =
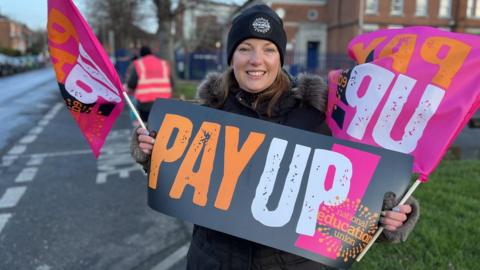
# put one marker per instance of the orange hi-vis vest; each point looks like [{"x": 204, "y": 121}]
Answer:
[{"x": 153, "y": 79}]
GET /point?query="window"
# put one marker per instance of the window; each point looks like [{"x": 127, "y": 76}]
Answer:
[
  {"x": 281, "y": 13},
  {"x": 473, "y": 9},
  {"x": 396, "y": 8},
  {"x": 371, "y": 7},
  {"x": 421, "y": 8},
  {"x": 475, "y": 31},
  {"x": 312, "y": 14},
  {"x": 445, "y": 29},
  {"x": 369, "y": 27},
  {"x": 12, "y": 30},
  {"x": 445, "y": 8},
  {"x": 394, "y": 26}
]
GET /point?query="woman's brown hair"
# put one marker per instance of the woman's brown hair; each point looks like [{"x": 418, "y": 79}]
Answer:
[{"x": 272, "y": 94}]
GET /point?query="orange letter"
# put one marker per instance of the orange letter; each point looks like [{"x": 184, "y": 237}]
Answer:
[
  {"x": 57, "y": 18},
  {"x": 160, "y": 151},
  {"x": 62, "y": 57},
  {"x": 206, "y": 140},
  {"x": 448, "y": 64},
  {"x": 401, "y": 58},
  {"x": 361, "y": 53},
  {"x": 234, "y": 163}
]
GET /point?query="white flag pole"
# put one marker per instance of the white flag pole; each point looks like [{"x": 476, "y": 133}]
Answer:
[
  {"x": 130, "y": 104},
  {"x": 380, "y": 230}
]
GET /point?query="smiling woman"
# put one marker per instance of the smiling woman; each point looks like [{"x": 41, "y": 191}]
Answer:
[
  {"x": 256, "y": 64},
  {"x": 255, "y": 85}
]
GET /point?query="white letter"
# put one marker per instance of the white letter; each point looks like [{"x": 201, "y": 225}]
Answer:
[
  {"x": 416, "y": 125},
  {"x": 92, "y": 77},
  {"x": 283, "y": 213},
  {"x": 366, "y": 105},
  {"x": 316, "y": 193}
]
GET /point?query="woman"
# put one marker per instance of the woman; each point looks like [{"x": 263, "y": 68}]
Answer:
[{"x": 256, "y": 86}]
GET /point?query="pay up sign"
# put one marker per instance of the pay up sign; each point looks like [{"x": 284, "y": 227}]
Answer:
[{"x": 305, "y": 193}]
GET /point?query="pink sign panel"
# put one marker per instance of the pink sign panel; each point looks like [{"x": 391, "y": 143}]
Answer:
[
  {"x": 88, "y": 82},
  {"x": 412, "y": 91},
  {"x": 337, "y": 224}
]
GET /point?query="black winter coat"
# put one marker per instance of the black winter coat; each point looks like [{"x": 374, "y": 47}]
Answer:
[{"x": 302, "y": 107}]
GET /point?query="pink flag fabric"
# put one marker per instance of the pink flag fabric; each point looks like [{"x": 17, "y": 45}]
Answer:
[
  {"x": 88, "y": 82},
  {"x": 412, "y": 91}
]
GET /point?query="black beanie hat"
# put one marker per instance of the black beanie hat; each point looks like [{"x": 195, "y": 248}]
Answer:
[
  {"x": 258, "y": 21},
  {"x": 145, "y": 50}
]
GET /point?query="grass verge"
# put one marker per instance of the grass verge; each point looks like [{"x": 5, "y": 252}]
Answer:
[
  {"x": 185, "y": 89},
  {"x": 448, "y": 232}
]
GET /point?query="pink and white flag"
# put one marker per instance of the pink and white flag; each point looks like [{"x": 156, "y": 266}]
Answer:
[
  {"x": 87, "y": 79},
  {"x": 413, "y": 91}
]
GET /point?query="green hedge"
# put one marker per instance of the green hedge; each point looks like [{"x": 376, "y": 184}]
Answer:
[{"x": 185, "y": 89}]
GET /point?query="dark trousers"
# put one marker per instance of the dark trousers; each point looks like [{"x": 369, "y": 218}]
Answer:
[{"x": 144, "y": 110}]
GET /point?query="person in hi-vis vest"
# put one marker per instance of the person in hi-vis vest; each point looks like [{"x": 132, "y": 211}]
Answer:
[{"x": 149, "y": 78}]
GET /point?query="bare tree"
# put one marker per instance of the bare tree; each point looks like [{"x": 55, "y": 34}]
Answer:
[
  {"x": 206, "y": 35},
  {"x": 119, "y": 16},
  {"x": 166, "y": 14},
  {"x": 124, "y": 17}
]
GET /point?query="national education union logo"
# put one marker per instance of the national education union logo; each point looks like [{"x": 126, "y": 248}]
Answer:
[{"x": 261, "y": 25}]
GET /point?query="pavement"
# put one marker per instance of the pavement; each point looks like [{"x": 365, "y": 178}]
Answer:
[{"x": 60, "y": 208}]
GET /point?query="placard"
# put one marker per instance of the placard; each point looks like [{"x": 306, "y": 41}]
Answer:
[{"x": 308, "y": 194}]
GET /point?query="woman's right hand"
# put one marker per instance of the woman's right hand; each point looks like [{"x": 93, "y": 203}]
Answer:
[{"x": 145, "y": 141}]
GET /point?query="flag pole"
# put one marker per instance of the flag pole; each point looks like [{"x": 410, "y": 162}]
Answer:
[
  {"x": 380, "y": 230},
  {"x": 130, "y": 104}
]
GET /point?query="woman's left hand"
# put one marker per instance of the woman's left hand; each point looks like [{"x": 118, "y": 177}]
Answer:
[{"x": 393, "y": 219}]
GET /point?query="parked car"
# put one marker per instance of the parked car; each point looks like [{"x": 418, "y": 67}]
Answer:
[
  {"x": 475, "y": 120},
  {"x": 3, "y": 65},
  {"x": 10, "y": 65}
]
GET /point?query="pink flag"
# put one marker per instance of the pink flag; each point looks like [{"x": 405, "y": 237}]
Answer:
[
  {"x": 412, "y": 92},
  {"x": 87, "y": 80}
]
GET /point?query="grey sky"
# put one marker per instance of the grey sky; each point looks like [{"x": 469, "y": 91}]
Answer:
[{"x": 34, "y": 12}]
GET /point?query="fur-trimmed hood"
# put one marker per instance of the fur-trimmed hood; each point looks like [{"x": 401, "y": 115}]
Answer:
[{"x": 309, "y": 89}]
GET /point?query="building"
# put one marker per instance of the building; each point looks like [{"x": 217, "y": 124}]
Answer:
[
  {"x": 14, "y": 35},
  {"x": 306, "y": 24},
  {"x": 200, "y": 24},
  {"x": 318, "y": 31},
  {"x": 199, "y": 37},
  {"x": 369, "y": 15}
]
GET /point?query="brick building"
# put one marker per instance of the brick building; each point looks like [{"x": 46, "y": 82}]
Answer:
[
  {"x": 14, "y": 35},
  {"x": 369, "y": 15},
  {"x": 306, "y": 24},
  {"x": 318, "y": 31}
]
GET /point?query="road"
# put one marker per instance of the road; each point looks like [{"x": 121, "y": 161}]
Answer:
[{"x": 60, "y": 208}]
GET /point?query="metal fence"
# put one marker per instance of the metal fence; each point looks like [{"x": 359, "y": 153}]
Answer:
[{"x": 195, "y": 65}]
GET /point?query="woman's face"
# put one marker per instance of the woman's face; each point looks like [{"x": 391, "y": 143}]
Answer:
[{"x": 256, "y": 63}]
